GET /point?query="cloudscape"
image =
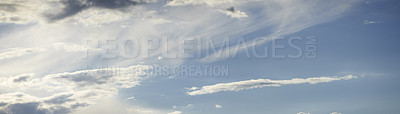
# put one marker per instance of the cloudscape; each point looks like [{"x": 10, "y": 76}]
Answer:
[{"x": 199, "y": 56}]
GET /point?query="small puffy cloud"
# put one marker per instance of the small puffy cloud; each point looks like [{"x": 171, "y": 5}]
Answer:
[
  {"x": 335, "y": 113},
  {"x": 183, "y": 107},
  {"x": 130, "y": 98},
  {"x": 218, "y": 106},
  {"x": 175, "y": 112},
  {"x": 370, "y": 22},
  {"x": 303, "y": 113},
  {"x": 259, "y": 83}
]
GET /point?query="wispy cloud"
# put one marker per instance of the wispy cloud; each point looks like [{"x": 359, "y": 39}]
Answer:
[
  {"x": 259, "y": 83},
  {"x": 175, "y": 112},
  {"x": 218, "y": 106},
  {"x": 121, "y": 77},
  {"x": 303, "y": 113},
  {"x": 370, "y": 22},
  {"x": 284, "y": 22},
  {"x": 335, "y": 113},
  {"x": 17, "y": 52}
]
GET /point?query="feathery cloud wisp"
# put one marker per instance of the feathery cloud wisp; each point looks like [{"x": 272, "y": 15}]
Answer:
[{"x": 259, "y": 83}]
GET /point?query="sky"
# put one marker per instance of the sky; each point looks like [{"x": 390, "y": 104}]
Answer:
[{"x": 196, "y": 57}]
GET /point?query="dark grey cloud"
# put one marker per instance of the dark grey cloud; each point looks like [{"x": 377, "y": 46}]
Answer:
[
  {"x": 8, "y": 7},
  {"x": 231, "y": 9},
  {"x": 22, "y": 78},
  {"x": 2, "y": 104},
  {"x": 77, "y": 105},
  {"x": 25, "y": 108},
  {"x": 33, "y": 108},
  {"x": 83, "y": 79},
  {"x": 56, "y": 105},
  {"x": 73, "y": 7}
]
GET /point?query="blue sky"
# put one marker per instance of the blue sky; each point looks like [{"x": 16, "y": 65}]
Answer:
[{"x": 75, "y": 57}]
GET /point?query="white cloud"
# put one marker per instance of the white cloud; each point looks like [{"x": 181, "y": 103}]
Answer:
[
  {"x": 218, "y": 106},
  {"x": 183, "y": 107},
  {"x": 370, "y": 22},
  {"x": 110, "y": 77},
  {"x": 335, "y": 113},
  {"x": 192, "y": 88},
  {"x": 71, "y": 47},
  {"x": 130, "y": 98},
  {"x": 175, "y": 112},
  {"x": 303, "y": 113},
  {"x": 259, "y": 83}
]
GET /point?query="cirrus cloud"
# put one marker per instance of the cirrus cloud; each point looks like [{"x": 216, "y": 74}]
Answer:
[{"x": 259, "y": 83}]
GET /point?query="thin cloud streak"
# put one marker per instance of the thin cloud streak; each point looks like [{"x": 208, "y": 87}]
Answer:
[
  {"x": 259, "y": 83},
  {"x": 17, "y": 52}
]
